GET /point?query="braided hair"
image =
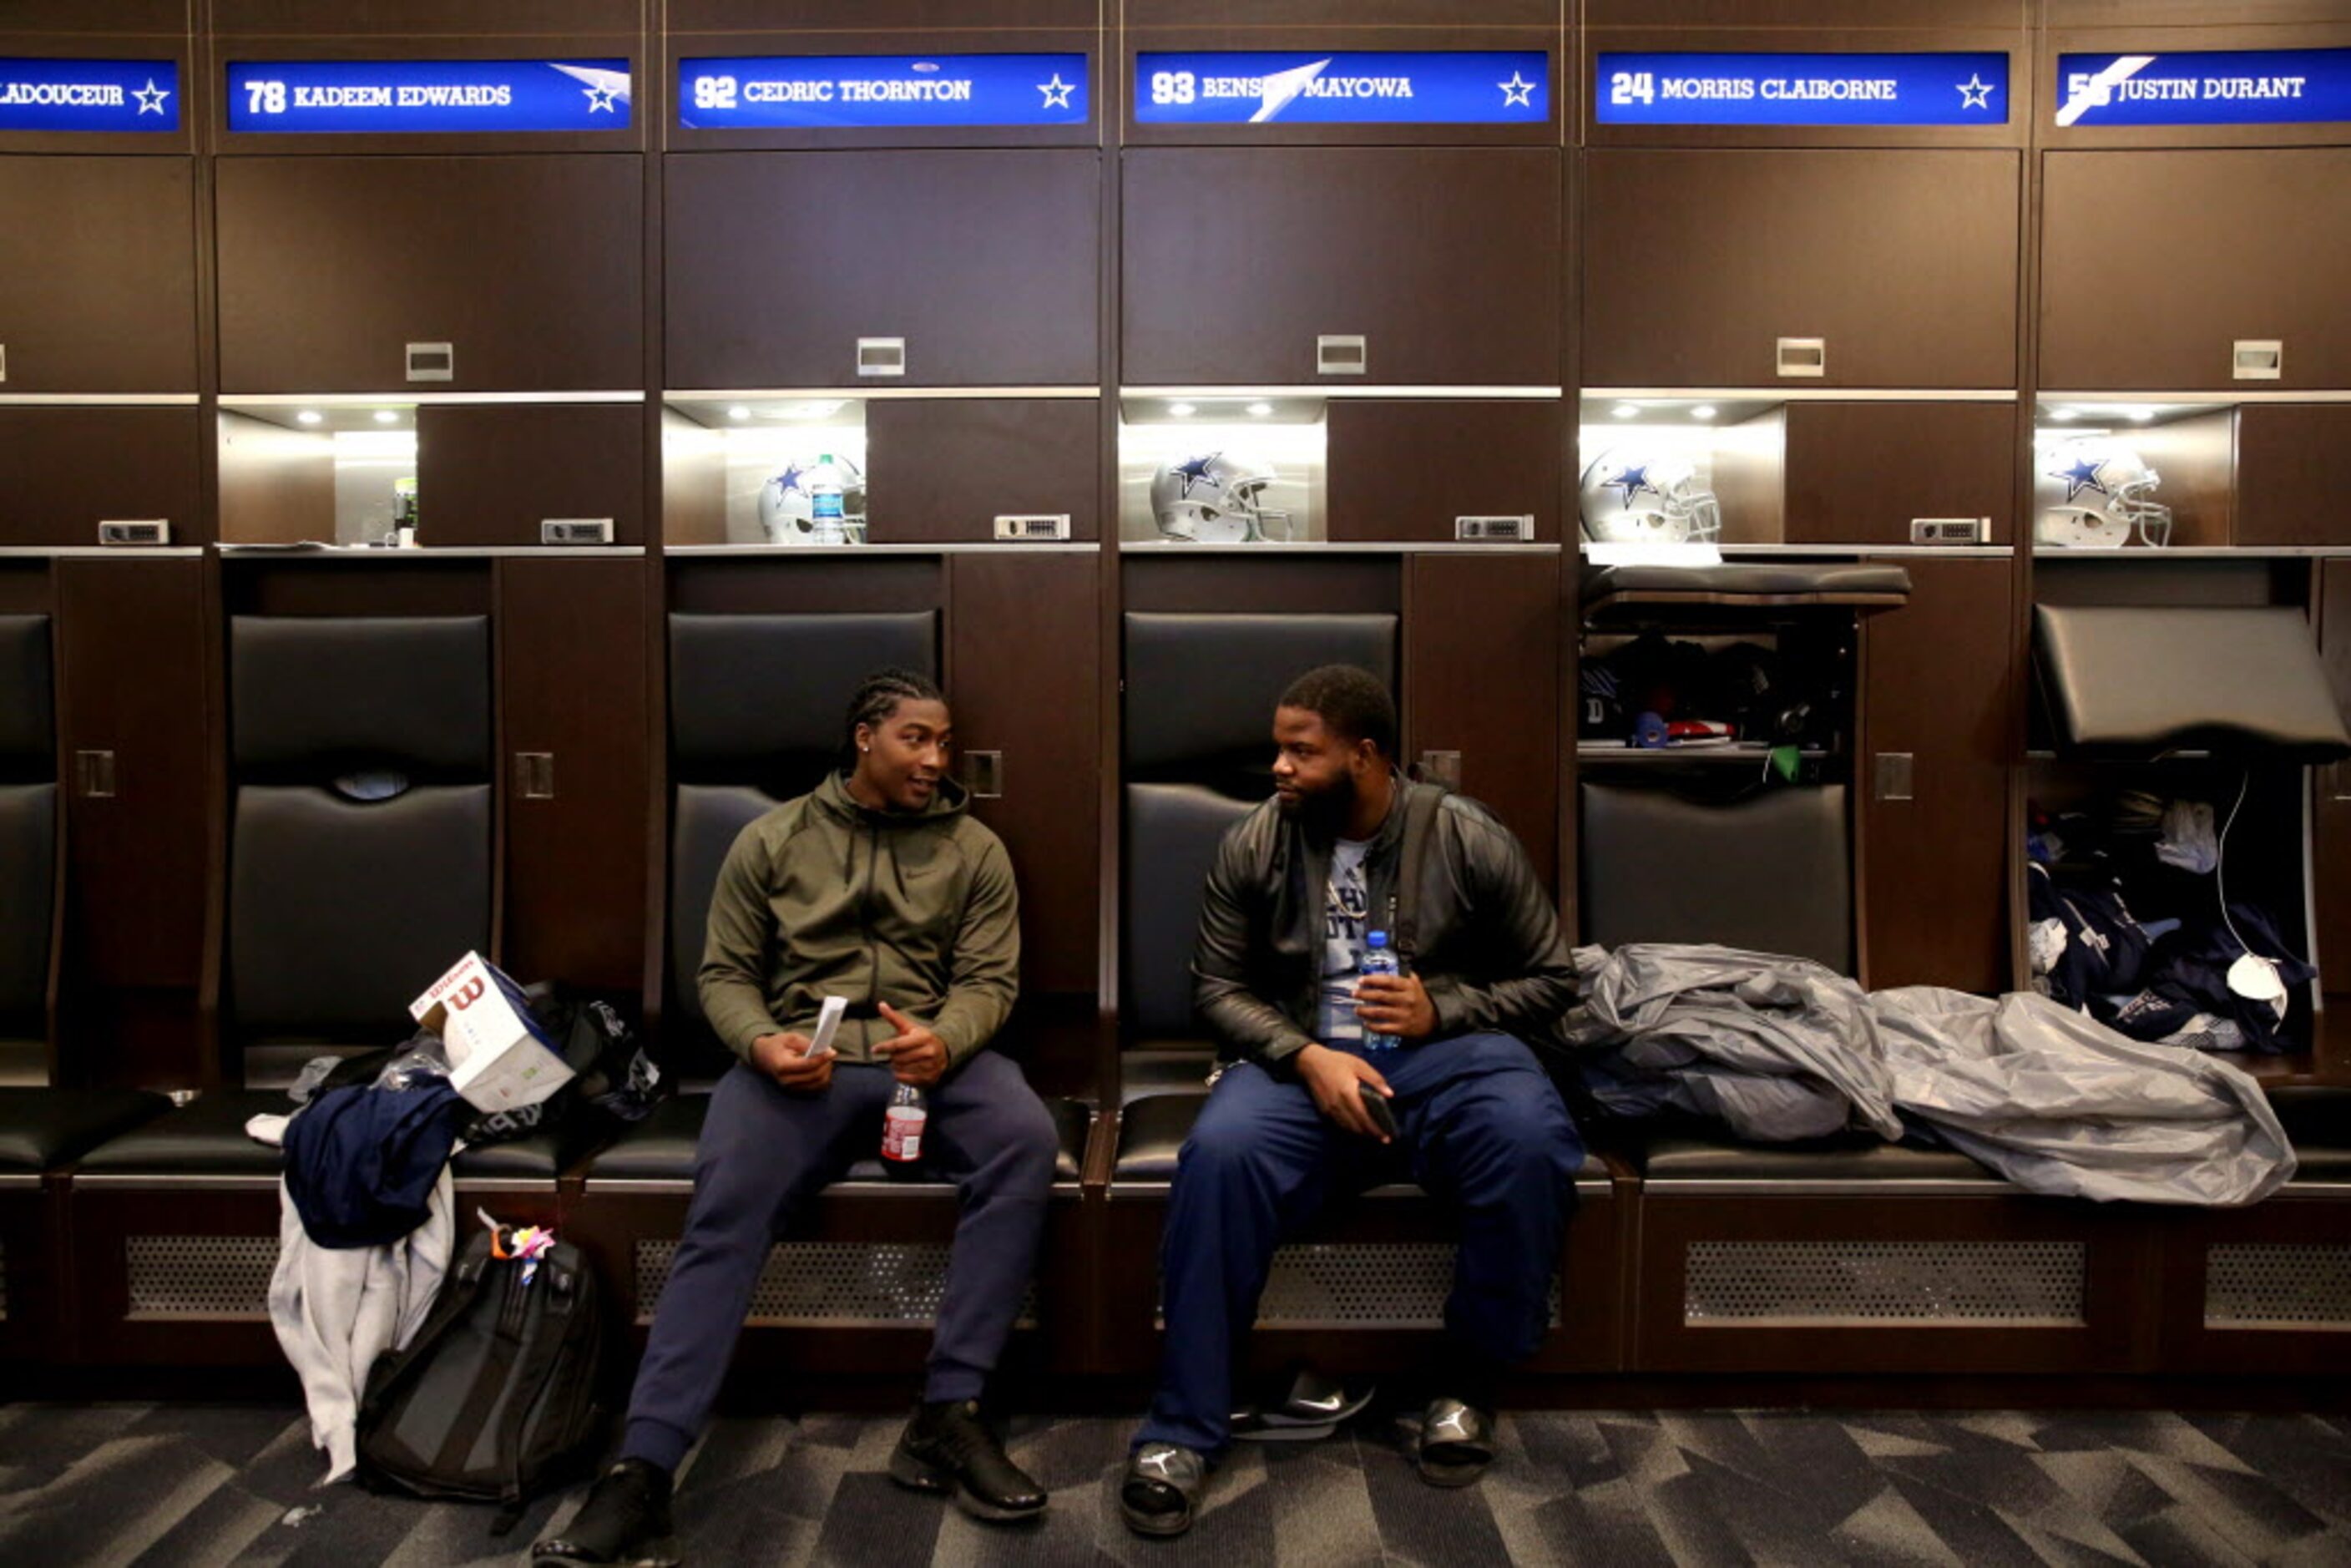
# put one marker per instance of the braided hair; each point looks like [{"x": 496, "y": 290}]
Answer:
[{"x": 878, "y": 696}]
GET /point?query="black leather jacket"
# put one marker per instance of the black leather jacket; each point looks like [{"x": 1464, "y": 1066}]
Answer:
[{"x": 1484, "y": 938}]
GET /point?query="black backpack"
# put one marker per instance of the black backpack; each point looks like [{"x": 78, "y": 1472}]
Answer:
[{"x": 498, "y": 1394}]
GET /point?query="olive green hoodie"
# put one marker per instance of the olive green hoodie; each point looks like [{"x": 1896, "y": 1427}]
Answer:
[{"x": 823, "y": 896}]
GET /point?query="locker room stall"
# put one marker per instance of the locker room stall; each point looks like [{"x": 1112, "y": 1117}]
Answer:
[{"x": 1402, "y": 345}]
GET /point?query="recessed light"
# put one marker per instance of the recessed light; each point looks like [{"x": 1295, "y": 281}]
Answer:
[
  {"x": 2065, "y": 415},
  {"x": 1623, "y": 411},
  {"x": 1703, "y": 411},
  {"x": 738, "y": 412},
  {"x": 311, "y": 416},
  {"x": 1180, "y": 410},
  {"x": 1260, "y": 409},
  {"x": 387, "y": 416},
  {"x": 2141, "y": 415}
]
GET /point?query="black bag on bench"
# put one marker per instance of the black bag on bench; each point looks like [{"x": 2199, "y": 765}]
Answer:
[{"x": 498, "y": 1396}]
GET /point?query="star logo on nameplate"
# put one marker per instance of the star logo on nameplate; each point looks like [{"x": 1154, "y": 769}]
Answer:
[
  {"x": 1196, "y": 472},
  {"x": 1518, "y": 92},
  {"x": 1975, "y": 92},
  {"x": 599, "y": 98},
  {"x": 150, "y": 98},
  {"x": 1632, "y": 480},
  {"x": 2083, "y": 476},
  {"x": 1056, "y": 91}
]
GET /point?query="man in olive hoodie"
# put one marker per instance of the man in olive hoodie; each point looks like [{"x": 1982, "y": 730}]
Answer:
[{"x": 877, "y": 887}]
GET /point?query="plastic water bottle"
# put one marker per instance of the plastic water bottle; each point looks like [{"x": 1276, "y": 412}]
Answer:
[
  {"x": 903, "y": 1125},
  {"x": 1379, "y": 958},
  {"x": 826, "y": 525}
]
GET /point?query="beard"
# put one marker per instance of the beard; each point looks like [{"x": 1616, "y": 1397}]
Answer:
[{"x": 1322, "y": 811}]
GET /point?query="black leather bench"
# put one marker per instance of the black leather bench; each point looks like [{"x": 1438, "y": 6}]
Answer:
[{"x": 660, "y": 1150}]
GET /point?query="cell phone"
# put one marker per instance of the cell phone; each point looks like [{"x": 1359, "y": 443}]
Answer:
[
  {"x": 828, "y": 1024},
  {"x": 1383, "y": 1113}
]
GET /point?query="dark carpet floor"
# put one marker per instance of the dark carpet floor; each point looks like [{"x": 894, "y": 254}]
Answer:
[{"x": 186, "y": 1484}]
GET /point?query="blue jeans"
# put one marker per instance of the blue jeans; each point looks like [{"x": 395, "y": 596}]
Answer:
[
  {"x": 763, "y": 1153},
  {"x": 1479, "y": 1127}
]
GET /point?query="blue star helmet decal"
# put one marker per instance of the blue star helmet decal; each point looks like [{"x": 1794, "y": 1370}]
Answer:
[
  {"x": 1196, "y": 472},
  {"x": 789, "y": 479},
  {"x": 1633, "y": 479},
  {"x": 2083, "y": 476}
]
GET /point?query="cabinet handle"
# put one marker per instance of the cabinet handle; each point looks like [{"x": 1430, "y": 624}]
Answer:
[
  {"x": 431, "y": 362},
  {"x": 2260, "y": 358},
  {"x": 881, "y": 356},
  {"x": 983, "y": 774},
  {"x": 4, "y": 361},
  {"x": 1340, "y": 354},
  {"x": 534, "y": 775},
  {"x": 1804, "y": 356},
  {"x": 1894, "y": 771},
  {"x": 94, "y": 775}
]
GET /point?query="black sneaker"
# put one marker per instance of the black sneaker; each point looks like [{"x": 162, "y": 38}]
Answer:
[
  {"x": 1456, "y": 1443},
  {"x": 625, "y": 1524},
  {"x": 948, "y": 1449},
  {"x": 1163, "y": 1483}
]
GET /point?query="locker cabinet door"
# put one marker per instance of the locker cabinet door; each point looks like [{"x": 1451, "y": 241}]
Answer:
[
  {"x": 2154, "y": 265},
  {"x": 572, "y": 686},
  {"x": 64, "y": 469},
  {"x": 1938, "y": 694},
  {"x": 1698, "y": 261},
  {"x": 2294, "y": 471},
  {"x": 530, "y": 267},
  {"x": 941, "y": 470},
  {"x": 98, "y": 275},
  {"x": 1858, "y": 473},
  {"x": 983, "y": 261},
  {"x": 1446, "y": 262},
  {"x": 487, "y": 474}
]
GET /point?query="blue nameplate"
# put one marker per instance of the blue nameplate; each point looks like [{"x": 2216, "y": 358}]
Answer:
[
  {"x": 1801, "y": 89},
  {"x": 807, "y": 92},
  {"x": 89, "y": 95},
  {"x": 1298, "y": 88},
  {"x": 395, "y": 97},
  {"x": 2232, "y": 86}
]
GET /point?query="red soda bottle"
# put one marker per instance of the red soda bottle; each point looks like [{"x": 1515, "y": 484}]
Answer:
[{"x": 903, "y": 1125}]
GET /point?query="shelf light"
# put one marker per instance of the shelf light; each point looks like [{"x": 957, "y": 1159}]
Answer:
[
  {"x": 1260, "y": 409},
  {"x": 1703, "y": 411},
  {"x": 311, "y": 416},
  {"x": 387, "y": 416},
  {"x": 738, "y": 412},
  {"x": 1623, "y": 411},
  {"x": 2064, "y": 415},
  {"x": 1181, "y": 409},
  {"x": 2141, "y": 415}
]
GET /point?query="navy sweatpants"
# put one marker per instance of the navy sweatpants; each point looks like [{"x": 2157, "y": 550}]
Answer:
[
  {"x": 763, "y": 1153},
  {"x": 1478, "y": 1125}
]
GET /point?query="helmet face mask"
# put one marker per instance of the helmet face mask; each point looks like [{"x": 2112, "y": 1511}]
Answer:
[
  {"x": 1636, "y": 495},
  {"x": 1217, "y": 497},
  {"x": 2109, "y": 498}
]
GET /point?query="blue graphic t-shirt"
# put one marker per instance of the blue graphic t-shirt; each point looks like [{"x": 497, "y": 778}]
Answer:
[{"x": 1346, "y": 910}]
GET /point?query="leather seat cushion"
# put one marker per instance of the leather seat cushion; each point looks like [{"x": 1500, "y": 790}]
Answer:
[
  {"x": 1173, "y": 832},
  {"x": 41, "y": 1129},
  {"x": 754, "y": 698},
  {"x": 1673, "y": 1159},
  {"x": 662, "y": 1147},
  {"x": 1763, "y": 580},
  {"x": 1202, "y": 687},
  {"x": 308, "y": 691},
  {"x": 202, "y": 1138},
  {"x": 2142, "y": 679},
  {"x": 1772, "y": 873}
]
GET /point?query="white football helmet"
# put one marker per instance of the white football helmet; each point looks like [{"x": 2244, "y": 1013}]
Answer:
[
  {"x": 1216, "y": 498},
  {"x": 2107, "y": 496},
  {"x": 786, "y": 512},
  {"x": 1633, "y": 495}
]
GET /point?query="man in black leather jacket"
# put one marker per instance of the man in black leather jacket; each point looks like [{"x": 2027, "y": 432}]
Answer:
[{"x": 1346, "y": 848}]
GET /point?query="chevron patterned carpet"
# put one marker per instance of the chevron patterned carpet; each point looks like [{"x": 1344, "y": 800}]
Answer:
[{"x": 177, "y": 1484}]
